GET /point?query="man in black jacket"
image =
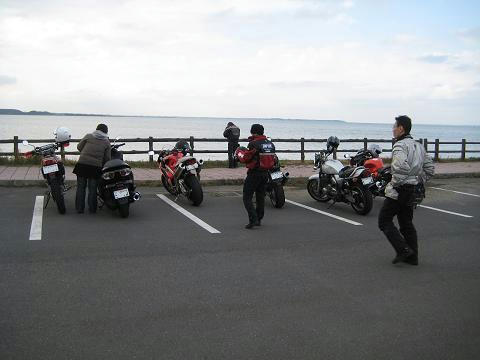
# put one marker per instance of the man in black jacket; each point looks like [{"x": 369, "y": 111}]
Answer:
[{"x": 232, "y": 133}]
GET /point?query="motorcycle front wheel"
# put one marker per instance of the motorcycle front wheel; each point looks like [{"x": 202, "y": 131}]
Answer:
[
  {"x": 277, "y": 196},
  {"x": 57, "y": 193},
  {"x": 167, "y": 186},
  {"x": 363, "y": 200},
  {"x": 196, "y": 192},
  {"x": 312, "y": 186}
]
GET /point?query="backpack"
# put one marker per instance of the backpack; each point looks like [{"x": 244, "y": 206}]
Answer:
[{"x": 266, "y": 154}]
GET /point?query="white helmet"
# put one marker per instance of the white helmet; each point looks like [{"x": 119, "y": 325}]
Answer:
[
  {"x": 375, "y": 149},
  {"x": 62, "y": 135}
]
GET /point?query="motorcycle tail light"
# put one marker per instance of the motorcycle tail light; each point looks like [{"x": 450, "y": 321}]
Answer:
[
  {"x": 108, "y": 175},
  {"x": 125, "y": 172},
  {"x": 190, "y": 161},
  {"x": 48, "y": 161},
  {"x": 28, "y": 154}
]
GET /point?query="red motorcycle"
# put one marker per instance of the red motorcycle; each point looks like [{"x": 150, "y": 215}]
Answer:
[
  {"x": 181, "y": 172},
  {"x": 371, "y": 160},
  {"x": 52, "y": 168}
]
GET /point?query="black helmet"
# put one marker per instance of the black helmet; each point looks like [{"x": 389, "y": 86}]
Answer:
[
  {"x": 182, "y": 146},
  {"x": 332, "y": 143}
]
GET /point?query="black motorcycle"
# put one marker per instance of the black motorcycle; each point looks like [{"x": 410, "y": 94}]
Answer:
[
  {"x": 116, "y": 187},
  {"x": 274, "y": 187}
]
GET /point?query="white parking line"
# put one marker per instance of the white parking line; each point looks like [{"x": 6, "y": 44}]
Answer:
[
  {"x": 36, "y": 227},
  {"x": 189, "y": 215},
  {"x": 457, "y": 192},
  {"x": 445, "y": 211},
  {"x": 323, "y": 212}
]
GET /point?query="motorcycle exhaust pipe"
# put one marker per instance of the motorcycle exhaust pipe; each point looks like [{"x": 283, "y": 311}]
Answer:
[
  {"x": 200, "y": 162},
  {"x": 136, "y": 196},
  {"x": 287, "y": 174}
]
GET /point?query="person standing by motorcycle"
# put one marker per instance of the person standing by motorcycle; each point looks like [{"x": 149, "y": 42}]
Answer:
[
  {"x": 232, "y": 133},
  {"x": 94, "y": 152},
  {"x": 410, "y": 165},
  {"x": 259, "y": 157}
]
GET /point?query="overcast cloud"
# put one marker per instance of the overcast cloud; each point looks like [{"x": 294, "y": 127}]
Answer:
[{"x": 354, "y": 60}]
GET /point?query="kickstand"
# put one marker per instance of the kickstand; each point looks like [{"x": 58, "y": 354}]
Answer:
[
  {"x": 333, "y": 203},
  {"x": 176, "y": 198},
  {"x": 101, "y": 203},
  {"x": 47, "y": 194}
]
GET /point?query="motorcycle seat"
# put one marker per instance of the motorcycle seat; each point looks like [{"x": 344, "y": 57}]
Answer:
[
  {"x": 346, "y": 171},
  {"x": 114, "y": 164}
]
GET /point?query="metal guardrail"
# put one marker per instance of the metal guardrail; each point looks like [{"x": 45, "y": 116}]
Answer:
[{"x": 302, "y": 141}]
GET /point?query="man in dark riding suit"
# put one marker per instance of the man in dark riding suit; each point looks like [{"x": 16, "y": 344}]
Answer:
[{"x": 257, "y": 177}]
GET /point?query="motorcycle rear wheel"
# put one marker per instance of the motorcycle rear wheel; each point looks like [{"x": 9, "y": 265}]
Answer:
[
  {"x": 277, "y": 196},
  {"x": 57, "y": 193},
  {"x": 312, "y": 190},
  {"x": 364, "y": 200},
  {"x": 196, "y": 192},
  {"x": 124, "y": 210}
]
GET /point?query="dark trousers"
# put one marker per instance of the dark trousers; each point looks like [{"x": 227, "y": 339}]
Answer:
[
  {"x": 255, "y": 184},
  {"x": 82, "y": 184},
  {"x": 403, "y": 209},
  {"x": 232, "y": 146}
]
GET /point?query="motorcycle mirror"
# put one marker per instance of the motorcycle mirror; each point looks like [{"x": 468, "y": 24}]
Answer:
[
  {"x": 25, "y": 143},
  {"x": 151, "y": 153}
]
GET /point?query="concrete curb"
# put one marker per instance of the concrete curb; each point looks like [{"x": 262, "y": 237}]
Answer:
[{"x": 295, "y": 181}]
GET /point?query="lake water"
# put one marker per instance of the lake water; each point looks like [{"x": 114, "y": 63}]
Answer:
[{"x": 36, "y": 127}]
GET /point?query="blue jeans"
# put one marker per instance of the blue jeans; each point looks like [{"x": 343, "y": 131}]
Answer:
[{"x": 82, "y": 184}]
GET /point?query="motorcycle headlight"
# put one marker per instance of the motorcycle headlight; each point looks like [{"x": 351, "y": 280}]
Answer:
[
  {"x": 108, "y": 175},
  {"x": 125, "y": 172}
]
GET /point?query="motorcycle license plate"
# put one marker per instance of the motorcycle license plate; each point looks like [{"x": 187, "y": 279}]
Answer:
[
  {"x": 367, "y": 180},
  {"x": 119, "y": 194},
  {"x": 191, "y": 167},
  {"x": 276, "y": 175},
  {"x": 50, "y": 168}
]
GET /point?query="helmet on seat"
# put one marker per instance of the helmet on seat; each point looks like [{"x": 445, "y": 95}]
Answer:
[
  {"x": 375, "y": 149},
  {"x": 62, "y": 135},
  {"x": 332, "y": 143},
  {"x": 182, "y": 146}
]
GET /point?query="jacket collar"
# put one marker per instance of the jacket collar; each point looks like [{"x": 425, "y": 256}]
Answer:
[
  {"x": 257, "y": 137},
  {"x": 404, "y": 136}
]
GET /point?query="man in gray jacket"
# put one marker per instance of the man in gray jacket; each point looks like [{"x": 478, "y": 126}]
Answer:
[
  {"x": 410, "y": 165},
  {"x": 94, "y": 152},
  {"x": 232, "y": 133}
]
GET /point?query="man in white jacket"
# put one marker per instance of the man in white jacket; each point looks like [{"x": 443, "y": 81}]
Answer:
[{"x": 410, "y": 165}]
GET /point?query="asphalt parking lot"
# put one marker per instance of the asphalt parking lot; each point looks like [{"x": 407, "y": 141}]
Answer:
[{"x": 306, "y": 285}]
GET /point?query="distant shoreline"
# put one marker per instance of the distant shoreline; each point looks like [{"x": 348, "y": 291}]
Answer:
[{"x": 47, "y": 113}]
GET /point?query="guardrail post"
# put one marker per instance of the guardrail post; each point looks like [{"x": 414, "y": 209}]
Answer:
[
  {"x": 425, "y": 144},
  {"x": 302, "y": 150},
  {"x": 365, "y": 144},
  {"x": 150, "y": 148},
  {"x": 192, "y": 144},
  {"x": 62, "y": 152},
  {"x": 437, "y": 149},
  {"x": 464, "y": 149},
  {"x": 334, "y": 154},
  {"x": 15, "y": 147}
]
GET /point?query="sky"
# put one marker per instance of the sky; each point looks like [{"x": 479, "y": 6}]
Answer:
[{"x": 353, "y": 60}]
